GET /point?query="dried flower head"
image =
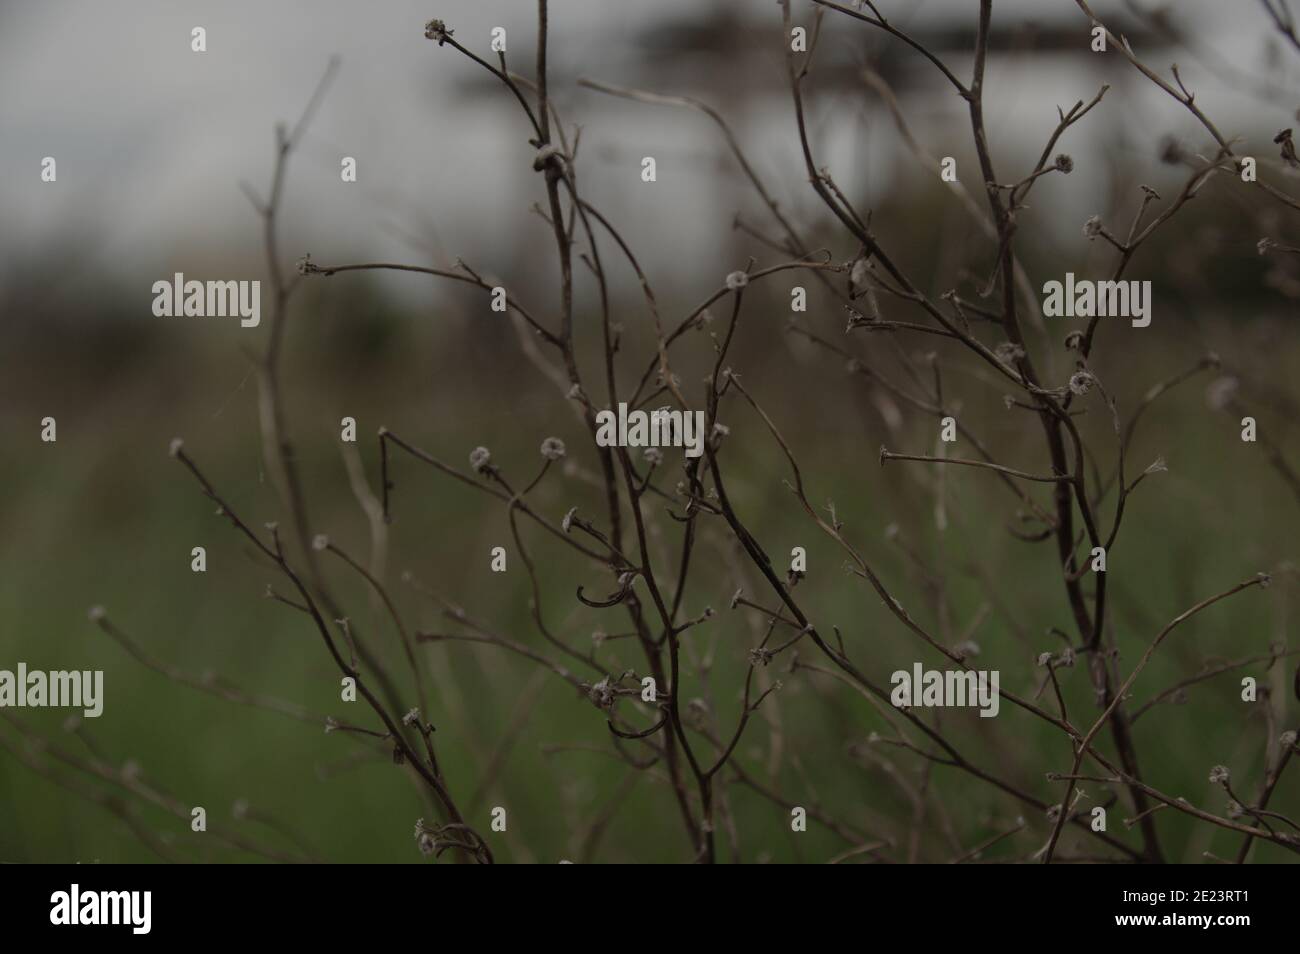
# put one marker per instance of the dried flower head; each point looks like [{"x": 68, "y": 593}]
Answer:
[
  {"x": 653, "y": 456},
  {"x": 426, "y": 843},
  {"x": 602, "y": 694},
  {"x": 412, "y": 718},
  {"x": 1092, "y": 228},
  {"x": 1064, "y": 163},
  {"x": 1007, "y": 352},
  {"x": 1283, "y": 139},
  {"x": 437, "y": 30},
  {"x": 553, "y": 448},
  {"x": 479, "y": 459},
  {"x": 737, "y": 280},
  {"x": 1219, "y": 775},
  {"x": 547, "y": 154},
  {"x": 1081, "y": 382}
]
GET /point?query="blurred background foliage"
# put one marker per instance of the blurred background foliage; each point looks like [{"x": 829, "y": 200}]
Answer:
[{"x": 103, "y": 516}]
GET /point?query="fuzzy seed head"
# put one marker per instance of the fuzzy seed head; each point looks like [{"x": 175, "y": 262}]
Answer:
[
  {"x": 437, "y": 30},
  {"x": 1081, "y": 382}
]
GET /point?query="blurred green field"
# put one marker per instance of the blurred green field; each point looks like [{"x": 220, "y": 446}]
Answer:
[{"x": 105, "y": 517}]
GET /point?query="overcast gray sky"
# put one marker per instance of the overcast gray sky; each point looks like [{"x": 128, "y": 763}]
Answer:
[{"x": 152, "y": 139}]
